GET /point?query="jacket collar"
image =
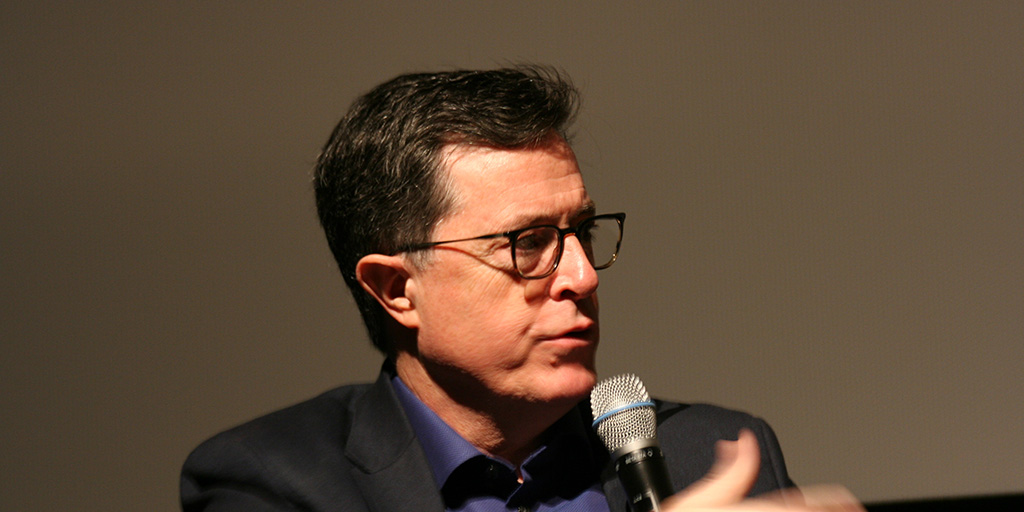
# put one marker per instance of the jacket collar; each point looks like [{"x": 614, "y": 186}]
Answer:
[{"x": 390, "y": 468}]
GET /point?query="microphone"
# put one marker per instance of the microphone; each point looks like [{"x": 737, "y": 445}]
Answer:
[{"x": 624, "y": 419}]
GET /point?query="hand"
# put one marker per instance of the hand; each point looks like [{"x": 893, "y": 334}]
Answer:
[{"x": 734, "y": 473}]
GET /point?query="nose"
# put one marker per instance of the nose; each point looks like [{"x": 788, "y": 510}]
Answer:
[{"x": 575, "y": 278}]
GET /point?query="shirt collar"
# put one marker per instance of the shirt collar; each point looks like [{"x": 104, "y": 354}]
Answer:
[
  {"x": 568, "y": 461},
  {"x": 445, "y": 449}
]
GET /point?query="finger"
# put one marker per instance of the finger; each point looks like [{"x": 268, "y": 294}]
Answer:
[{"x": 730, "y": 478}]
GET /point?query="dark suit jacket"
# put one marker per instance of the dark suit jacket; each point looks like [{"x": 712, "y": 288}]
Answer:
[{"x": 352, "y": 449}]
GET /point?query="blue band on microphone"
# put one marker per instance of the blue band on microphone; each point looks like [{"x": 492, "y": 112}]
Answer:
[{"x": 605, "y": 416}]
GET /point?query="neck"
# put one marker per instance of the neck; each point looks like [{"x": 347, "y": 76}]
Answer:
[{"x": 498, "y": 426}]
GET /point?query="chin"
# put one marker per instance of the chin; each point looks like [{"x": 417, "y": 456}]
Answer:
[{"x": 572, "y": 382}]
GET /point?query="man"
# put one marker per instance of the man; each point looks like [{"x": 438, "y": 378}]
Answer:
[{"x": 457, "y": 213}]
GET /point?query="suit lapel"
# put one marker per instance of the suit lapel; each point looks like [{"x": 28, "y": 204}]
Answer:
[{"x": 390, "y": 469}]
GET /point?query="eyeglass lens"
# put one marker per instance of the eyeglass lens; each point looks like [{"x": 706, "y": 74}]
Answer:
[{"x": 537, "y": 250}]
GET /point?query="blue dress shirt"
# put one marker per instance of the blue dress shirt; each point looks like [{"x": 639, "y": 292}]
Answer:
[{"x": 562, "y": 475}]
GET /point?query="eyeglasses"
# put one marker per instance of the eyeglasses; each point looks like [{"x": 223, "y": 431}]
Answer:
[{"x": 536, "y": 250}]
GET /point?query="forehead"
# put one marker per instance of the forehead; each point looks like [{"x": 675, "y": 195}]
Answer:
[{"x": 511, "y": 188}]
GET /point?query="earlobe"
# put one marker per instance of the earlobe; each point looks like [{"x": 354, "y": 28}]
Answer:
[{"x": 387, "y": 279}]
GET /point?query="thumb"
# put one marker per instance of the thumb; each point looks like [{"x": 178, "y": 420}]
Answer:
[{"x": 730, "y": 478}]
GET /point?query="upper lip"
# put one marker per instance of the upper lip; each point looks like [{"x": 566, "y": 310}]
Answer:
[{"x": 580, "y": 330}]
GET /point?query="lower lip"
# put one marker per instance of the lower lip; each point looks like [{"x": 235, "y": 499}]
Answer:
[{"x": 570, "y": 341}]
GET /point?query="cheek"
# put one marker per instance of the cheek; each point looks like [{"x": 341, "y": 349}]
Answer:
[
  {"x": 487, "y": 308},
  {"x": 491, "y": 299},
  {"x": 481, "y": 330},
  {"x": 484, "y": 353}
]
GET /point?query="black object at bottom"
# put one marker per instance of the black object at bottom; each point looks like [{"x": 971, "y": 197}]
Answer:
[
  {"x": 644, "y": 476},
  {"x": 1014, "y": 502}
]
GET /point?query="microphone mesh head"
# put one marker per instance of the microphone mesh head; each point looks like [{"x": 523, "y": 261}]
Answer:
[{"x": 623, "y": 427}]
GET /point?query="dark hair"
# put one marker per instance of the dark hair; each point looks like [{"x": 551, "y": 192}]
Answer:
[{"x": 379, "y": 183}]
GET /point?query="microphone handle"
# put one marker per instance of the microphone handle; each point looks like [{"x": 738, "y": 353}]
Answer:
[{"x": 644, "y": 475}]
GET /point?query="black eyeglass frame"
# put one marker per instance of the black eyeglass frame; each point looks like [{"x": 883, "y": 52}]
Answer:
[{"x": 513, "y": 235}]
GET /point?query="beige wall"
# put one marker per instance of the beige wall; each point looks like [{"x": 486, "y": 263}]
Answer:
[{"x": 826, "y": 223}]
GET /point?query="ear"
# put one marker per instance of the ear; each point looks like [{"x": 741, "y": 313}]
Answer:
[{"x": 387, "y": 279}]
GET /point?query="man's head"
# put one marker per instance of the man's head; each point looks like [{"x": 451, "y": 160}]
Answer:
[{"x": 380, "y": 182}]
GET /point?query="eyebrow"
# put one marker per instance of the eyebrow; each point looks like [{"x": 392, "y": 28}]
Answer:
[{"x": 589, "y": 209}]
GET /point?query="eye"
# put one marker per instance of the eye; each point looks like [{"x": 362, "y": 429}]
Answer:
[{"x": 534, "y": 240}]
